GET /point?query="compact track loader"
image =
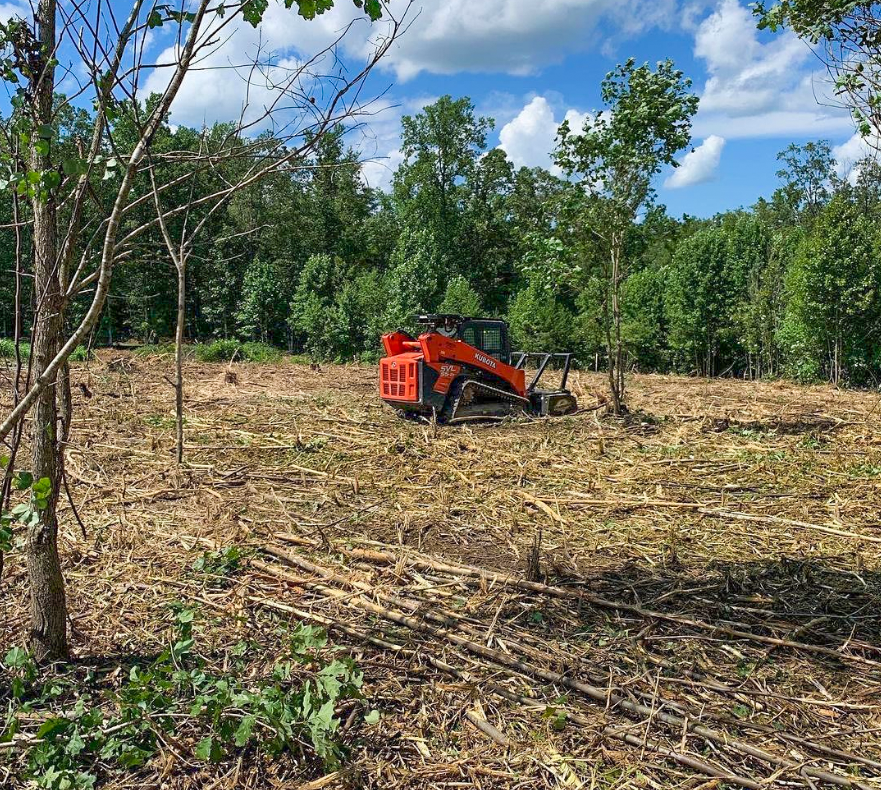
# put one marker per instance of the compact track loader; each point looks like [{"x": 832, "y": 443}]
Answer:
[{"x": 464, "y": 367}]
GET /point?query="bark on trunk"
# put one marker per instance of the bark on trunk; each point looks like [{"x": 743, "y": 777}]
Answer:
[
  {"x": 178, "y": 356},
  {"x": 616, "y": 353},
  {"x": 48, "y": 631}
]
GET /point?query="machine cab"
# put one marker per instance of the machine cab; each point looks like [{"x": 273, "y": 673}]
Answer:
[{"x": 489, "y": 335}]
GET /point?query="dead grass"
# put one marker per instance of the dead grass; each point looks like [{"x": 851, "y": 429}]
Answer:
[{"x": 719, "y": 517}]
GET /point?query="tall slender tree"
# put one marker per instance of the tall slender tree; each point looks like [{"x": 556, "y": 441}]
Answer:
[
  {"x": 66, "y": 261},
  {"x": 615, "y": 156}
]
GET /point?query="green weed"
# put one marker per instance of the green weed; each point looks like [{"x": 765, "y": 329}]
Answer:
[
  {"x": 155, "y": 350},
  {"x": 227, "y": 350},
  {"x": 79, "y": 734},
  {"x": 7, "y": 351}
]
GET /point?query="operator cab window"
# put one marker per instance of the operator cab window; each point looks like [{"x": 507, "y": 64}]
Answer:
[{"x": 489, "y": 336}]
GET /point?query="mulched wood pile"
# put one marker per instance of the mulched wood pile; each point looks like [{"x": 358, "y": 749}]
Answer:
[{"x": 686, "y": 597}]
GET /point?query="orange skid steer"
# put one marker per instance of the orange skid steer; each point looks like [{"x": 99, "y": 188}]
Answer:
[{"x": 464, "y": 368}]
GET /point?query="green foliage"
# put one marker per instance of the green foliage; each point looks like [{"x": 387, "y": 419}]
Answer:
[
  {"x": 618, "y": 153},
  {"x": 83, "y": 730},
  {"x": 847, "y": 31},
  {"x": 806, "y": 177},
  {"x": 155, "y": 350},
  {"x": 260, "y": 352},
  {"x": 539, "y": 322},
  {"x": 26, "y": 513},
  {"x": 699, "y": 302},
  {"x": 644, "y": 321},
  {"x": 460, "y": 298},
  {"x": 833, "y": 314},
  {"x": 416, "y": 280},
  {"x": 220, "y": 564},
  {"x": 7, "y": 349},
  {"x": 229, "y": 350},
  {"x": 218, "y": 351},
  {"x": 81, "y": 354},
  {"x": 261, "y": 309}
]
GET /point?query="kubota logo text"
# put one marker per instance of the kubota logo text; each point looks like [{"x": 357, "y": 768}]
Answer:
[{"x": 485, "y": 360}]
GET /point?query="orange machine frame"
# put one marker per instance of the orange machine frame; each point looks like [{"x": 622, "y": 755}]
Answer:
[{"x": 439, "y": 351}]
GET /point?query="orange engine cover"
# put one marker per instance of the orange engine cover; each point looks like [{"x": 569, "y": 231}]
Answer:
[{"x": 399, "y": 377}]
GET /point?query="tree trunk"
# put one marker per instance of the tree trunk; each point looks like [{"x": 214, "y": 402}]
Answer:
[
  {"x": 48, "y": 633},
  {"x": 616, "y": 351},
  {"x": 179, "y": 354}
]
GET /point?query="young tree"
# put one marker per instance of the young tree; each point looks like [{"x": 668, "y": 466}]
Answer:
[
  {"x": 539, "y": 322},
  {"x": 833, "y": 314},
  {"x": 313, "y": 300},
  {"x": 700, "y": 300},
  {"x": 108, "y": 49},
  {"x": 806, "y": 177},
  {"x": 615, "y": 157}
]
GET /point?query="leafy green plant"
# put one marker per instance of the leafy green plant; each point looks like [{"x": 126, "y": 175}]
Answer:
[
  {"x": 156, "y": 350},
  {"x": 220, "y": 563},
  {"x": 7, "y": 349},
  {"x": 26, "y": 513},
  {"x": 81, "y": 354},
  {"x": 292, "y": 709},
  {"x": 218, "y": 351},
  {"x": 260, "y": 352},
  {"x": 227, "y": 350}
]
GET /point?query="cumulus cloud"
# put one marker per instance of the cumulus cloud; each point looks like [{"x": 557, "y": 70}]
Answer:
[
  {"x": 762, "y": 88},
  {"x": 528, "y": 138},
  {"x": 493, "y": 36},
  {"x": 225, "y": 80},
  {"x": 377, "y": 172},
  {"x": 513, "y": 36},
  {"x": 498, "y": 36},
  {"x": 698, "y": 166},
  {"x": 852, "y": 152}
]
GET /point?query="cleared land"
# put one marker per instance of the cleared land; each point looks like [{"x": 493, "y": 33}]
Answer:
[{"x": 707, "y": 594}]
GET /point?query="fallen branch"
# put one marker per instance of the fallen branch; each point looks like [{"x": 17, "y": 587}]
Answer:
[
  {"x": 604, "y": 697},
  {"x": 485, "y": 576}
]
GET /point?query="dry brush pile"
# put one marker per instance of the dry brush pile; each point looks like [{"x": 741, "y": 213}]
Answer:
[{"x": 688, "y": 597}]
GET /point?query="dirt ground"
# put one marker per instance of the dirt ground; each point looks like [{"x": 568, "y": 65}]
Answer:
[{"x": 576, "y": 602}]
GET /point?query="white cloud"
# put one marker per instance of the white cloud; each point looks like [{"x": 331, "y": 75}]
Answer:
[
  {"x": 528, "y": 139},
  {"x": 850, "y": 153},
  {"x": 498, "y": 36},
  {"x": 377, "y": 172},
  {"x": 514, "y": 36},
  {"x": 698, "y": 166},
  {"x": 224, "y": 80},
  {"x": 759, "y": 88}
]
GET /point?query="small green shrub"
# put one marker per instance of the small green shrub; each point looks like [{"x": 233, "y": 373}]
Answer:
[
  {"x": 156, "y": 350},
  {"x": 218, "y": 351},
  {"x": 80, "y": 731},
  {"x": 227, "y": 350},
  {"x": 7, "y": 349},
  {"x": 260, "y": 352},
  {"x": 81, "y": 354},
  {"x": 220, "y": 564}
]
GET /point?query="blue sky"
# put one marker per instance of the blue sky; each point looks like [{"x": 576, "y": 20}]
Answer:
[{"x": 531, "y": 64}]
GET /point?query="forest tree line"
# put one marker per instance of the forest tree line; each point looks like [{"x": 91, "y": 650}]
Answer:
[{"x": 314, "y": 261}]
